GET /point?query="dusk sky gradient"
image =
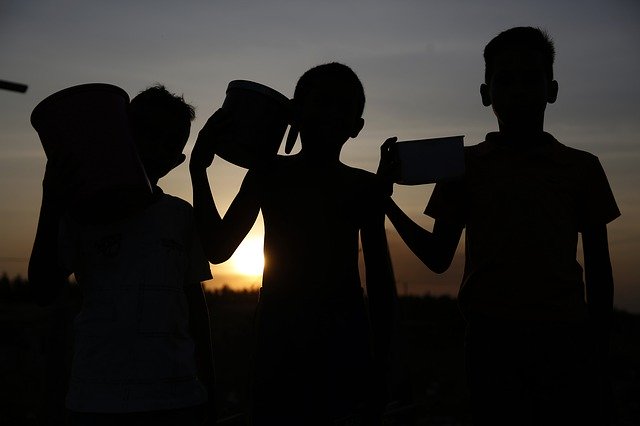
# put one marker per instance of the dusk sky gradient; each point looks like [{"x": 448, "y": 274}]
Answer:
[{"x": 420, "y": 63}]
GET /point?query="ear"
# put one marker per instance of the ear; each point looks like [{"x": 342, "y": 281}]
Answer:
[
  {"x": 485, "y": 95},
  {"x": 357, "y": 127},
  {"x": 552, "y": 92}
]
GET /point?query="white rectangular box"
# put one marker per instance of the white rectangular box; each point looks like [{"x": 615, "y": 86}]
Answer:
[{"x": 430, "y": 160}]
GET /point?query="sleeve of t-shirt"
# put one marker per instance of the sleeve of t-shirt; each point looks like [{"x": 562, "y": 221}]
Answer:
[
  {"x": 447, "y": 202},
  {"x": 596, "y": 203}
]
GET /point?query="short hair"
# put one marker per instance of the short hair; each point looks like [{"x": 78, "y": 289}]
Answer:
[
  {"x": 530, "y": 38},
  {"x": 155, "y": 108},
  {"x": 333, "y": 75}
]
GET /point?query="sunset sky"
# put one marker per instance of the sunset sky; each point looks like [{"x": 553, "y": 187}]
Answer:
[{"x": 420, "y": 63}]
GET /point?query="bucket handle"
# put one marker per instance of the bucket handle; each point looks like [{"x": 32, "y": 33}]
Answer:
[{"x": 292, "y": 136}]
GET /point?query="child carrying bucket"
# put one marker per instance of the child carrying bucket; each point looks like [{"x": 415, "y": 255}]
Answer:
[
  {"x": 142, "y": 347},
  {"x": 315, "y": 358}
]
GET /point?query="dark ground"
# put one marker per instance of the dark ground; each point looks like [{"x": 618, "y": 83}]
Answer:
[{"x": 428, "y": 381}]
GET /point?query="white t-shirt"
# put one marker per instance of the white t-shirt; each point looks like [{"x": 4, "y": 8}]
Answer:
[{"x": 133, "y": 350}]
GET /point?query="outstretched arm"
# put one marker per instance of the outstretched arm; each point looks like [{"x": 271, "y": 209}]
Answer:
[
  {"x": 220, "y": 236},
  {"x": 435, "y": 249}
]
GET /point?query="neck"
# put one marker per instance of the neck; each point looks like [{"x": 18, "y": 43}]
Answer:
[
  {"x": 321, "y": 158},
  {"x": 324, "y": 152},
  {"x": 521, "y": 134}
]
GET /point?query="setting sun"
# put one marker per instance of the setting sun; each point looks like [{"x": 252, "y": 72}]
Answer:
[{"x": 249, "y": 258}]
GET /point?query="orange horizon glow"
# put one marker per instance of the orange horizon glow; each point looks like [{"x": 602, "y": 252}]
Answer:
[
  {"x": 243, "y": 271},
  {"x": 248, "y": 258}
]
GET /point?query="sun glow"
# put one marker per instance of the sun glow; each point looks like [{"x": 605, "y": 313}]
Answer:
[{"x": 249, "y": 257}]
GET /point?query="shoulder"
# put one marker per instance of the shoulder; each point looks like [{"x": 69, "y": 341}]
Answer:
[
  {"x": 478, "y": 153},
  {"x": 358, "y": 174},
  {"x": 172, "y": 210},
  {"x": 360, "y": 180},
  {"x": 175, "y": 202},
  {"x": 478, "y": 149},
  {"x": 364, "y": 188},
  {"x": 573, "y": 158},
  {"x": 280, "y": 165},
  {"x": 570, "y": 152}
]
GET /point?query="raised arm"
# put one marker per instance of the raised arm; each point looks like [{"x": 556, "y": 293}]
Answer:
[
  {"x": 435, "y": 249},
  {"x": 220, "y": 236},
  {"x": 46, "y": 275}
]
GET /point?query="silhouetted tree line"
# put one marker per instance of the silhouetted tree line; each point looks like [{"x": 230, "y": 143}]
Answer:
[
  {"x": 443, "y": 308},
  {"x": 14, "y": 289}
]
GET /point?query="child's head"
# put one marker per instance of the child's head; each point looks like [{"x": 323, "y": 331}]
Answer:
[
  {"x": 329, "y": 101},
  {"x": 160, "y": 123},
  {"x": 519, "y": 76}
]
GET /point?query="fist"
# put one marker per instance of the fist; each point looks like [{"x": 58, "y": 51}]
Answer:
[
  {"x": 389, "y": 164},
  {"x": 209, "y": 138}
]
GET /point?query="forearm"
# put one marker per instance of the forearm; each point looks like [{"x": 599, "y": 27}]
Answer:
[
  {"x": 435, "y": 253},
  {"x": 381, "y": 289},
  {"x": 46, "y": 276},
  {"x": 382, "y": 313},
  {"x": 599, "y": 292},
  {"x": 598, "y": 272},
  {"x": 200, "y": 328},
  {"x": 207, "y": 216},
  {"x": 599, "y": 287}
]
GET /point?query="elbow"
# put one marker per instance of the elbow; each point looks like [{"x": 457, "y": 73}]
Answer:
[
  {"x": 43, "y": 293},
  {"x": 45, "y": 282},
  {"x": 439, "y": 269},
  {"x": 220, "y": 250},
  {"x": 217, "y": 255},
  {"x": 439, "y": 265},
  {"x": 38, "y": 288}
]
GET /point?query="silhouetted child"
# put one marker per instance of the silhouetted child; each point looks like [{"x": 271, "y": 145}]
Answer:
[
  {"x": 535, "y": 347},
  {"x": 142, "y": 352},
  {"x": 313, "y": 354}
]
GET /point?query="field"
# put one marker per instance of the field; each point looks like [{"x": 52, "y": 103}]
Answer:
[{"x": 428, "y": 386}]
